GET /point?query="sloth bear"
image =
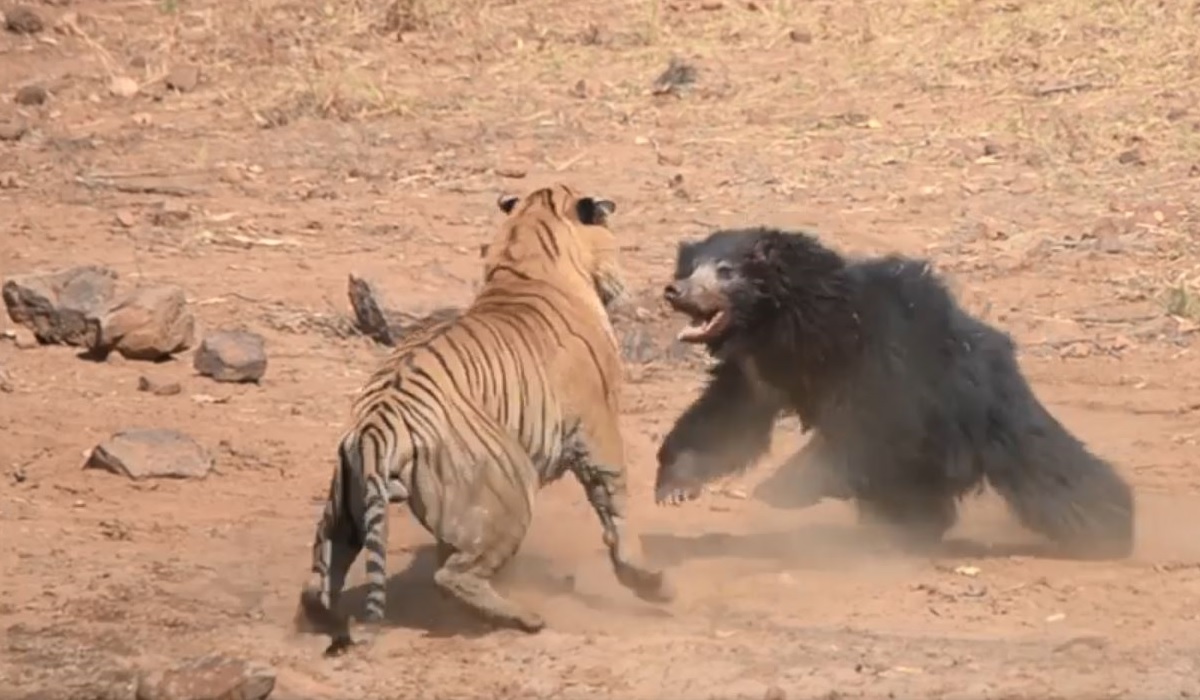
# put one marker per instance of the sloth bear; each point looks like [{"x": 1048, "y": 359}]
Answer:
[{"x": 911, "y": 402}]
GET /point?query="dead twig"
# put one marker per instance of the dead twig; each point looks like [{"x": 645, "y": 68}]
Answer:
[
  {"x": 139, "y": 187},
  {"x": 1056, "y": 88}
]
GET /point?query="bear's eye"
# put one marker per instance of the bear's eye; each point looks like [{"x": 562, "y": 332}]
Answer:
[{"x": 724, "y": 271}]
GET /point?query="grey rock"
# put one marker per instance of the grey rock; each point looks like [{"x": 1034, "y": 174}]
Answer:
[
  {"x": 231, "y": 356},
  {"x": 56, "y": 306},
  {"x": 212, "y": 677},
  {"x": 148, "y": 453}
]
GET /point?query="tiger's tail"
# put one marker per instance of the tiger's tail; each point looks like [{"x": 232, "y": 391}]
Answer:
[{"x": 355, "y": 518}]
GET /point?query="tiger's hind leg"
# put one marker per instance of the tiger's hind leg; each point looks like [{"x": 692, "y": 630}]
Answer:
[
  {"x": 467, "y": 576},
  {"x": 479, "y": 525},
  {"x": 355, "y": 518},
  {"x": 335, "y": 548}
]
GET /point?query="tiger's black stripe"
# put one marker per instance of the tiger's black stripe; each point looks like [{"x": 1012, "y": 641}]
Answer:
[{"x": 469, "y": 403}]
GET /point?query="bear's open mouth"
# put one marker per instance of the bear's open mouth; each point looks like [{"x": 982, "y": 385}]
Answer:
[{"x": 704, "y": 326}]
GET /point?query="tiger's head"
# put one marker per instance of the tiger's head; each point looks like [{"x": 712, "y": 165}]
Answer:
[{"x": 557, "y": 230}]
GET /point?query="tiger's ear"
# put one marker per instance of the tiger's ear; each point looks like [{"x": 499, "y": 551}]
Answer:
[
  {"x": 483, "y": 249},
  {"x": 594, "y": 212},
  {"x": 506, "y": 202}
]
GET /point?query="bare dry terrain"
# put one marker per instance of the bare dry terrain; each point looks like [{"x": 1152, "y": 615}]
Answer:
[{"x": 256, "y": 153}]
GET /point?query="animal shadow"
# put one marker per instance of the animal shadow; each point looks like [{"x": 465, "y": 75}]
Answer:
[
  {"x": 821, "y": 545},
  {"x": 414, "y": 601},
  {"x": 813, "y": 545}
]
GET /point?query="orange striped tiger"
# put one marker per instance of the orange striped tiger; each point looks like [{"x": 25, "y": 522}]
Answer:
[{"x": 470, "y": 416}]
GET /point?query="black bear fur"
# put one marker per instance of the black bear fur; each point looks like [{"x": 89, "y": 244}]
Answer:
[{"x": 912, "y": 402}]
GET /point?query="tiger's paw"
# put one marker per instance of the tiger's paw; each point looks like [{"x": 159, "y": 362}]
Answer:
[
  {"x": 529, "y": 622},
  {"x": 342, "y": 642},
  {"x": 339, "y": 646},
  {"x": 650, "y": 586}
]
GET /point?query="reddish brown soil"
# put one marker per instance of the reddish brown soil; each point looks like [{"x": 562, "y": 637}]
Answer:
[{"x": 1044, "y": 155}]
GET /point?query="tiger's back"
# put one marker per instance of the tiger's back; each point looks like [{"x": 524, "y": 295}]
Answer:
[{"x": 469, "y": 417}]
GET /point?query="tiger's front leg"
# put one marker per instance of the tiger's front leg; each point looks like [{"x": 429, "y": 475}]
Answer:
[{"x": 604, "y": 482}]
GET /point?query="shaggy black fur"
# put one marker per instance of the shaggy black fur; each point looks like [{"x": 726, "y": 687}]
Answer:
[{"x": 913, "y": 403}]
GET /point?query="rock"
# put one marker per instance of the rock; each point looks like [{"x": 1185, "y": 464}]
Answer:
[
  {"x": 512, "y": 171},
  {"x": 801, "y": 36},
  {"x": 56, "y": 306},
  {"x": 1131, "y": 157},
  {"x": 23, "y": 20},
  {"x": 678, "y": 75},
  {"x": 212, "y": 677},
  {"x": 148, "y": 453},
  {"x": 125, "y": 218},
  {"x": 386, "y": 326},
  {"x": 31, "y": 95},
  {"x": 151, "y": 323},
  {"x": 122, "y": 86},
  {"x": 368, "y": 312},
  {"x": 24, "y": 339},
  {"x": 169, "y": 213},
  {"x": 12, "y": 131},
  {"x": 231, "y": 356},
  {"x": 6, "y": 381},
  {"x": 667, "y": 156},
  {"x": 149, "y": 385},
  {"x": 183, "y": 78}
]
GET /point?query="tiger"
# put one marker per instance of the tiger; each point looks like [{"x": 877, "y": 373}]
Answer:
[{"x": 470, "y": 416}]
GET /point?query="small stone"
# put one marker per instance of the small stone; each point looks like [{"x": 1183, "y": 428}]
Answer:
[
  {"x": 23, "y": 20},
  {"x": 149, "y": 453},
  {"x": 12, "y": 131},
  {"x": 231, "y": 356},
  {"x": 514, "y": 172},
  {"x": 212, "y": 677},
  {"x": 10, "y": 181},
  {"x": 1131, "y": 157},
  {"x": 169, "y": 213},
  {"x": 123, "y": 86},
  {"x": 24, "y": 339},
  {"x": 183, "y": 78},
  {"x": 30, "y": 95},
  {"x": 126, "y": 218},
  {"x": 56, "y": 306},
  {"x": 801, "y": 36},
  {"x": 7, "y": 387},
  {"x": 151, "y": 323},
  {"x": 667, "y": 156},
  {"x": 149, "y": 385},
  {"x": 1076, "y": 350},
  {"x": 774, "y": 692}
]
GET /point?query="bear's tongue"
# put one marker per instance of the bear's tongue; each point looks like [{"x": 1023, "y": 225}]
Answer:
[{"x": 700, "y": 329}]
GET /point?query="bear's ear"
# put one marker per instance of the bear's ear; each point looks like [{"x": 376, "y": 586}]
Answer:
[
  {"x": 685, "y": 253},
  {"x": 765, "y": 248}
]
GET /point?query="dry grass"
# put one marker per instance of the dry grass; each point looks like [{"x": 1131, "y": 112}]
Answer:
[{"x": 1089, "y": 98}]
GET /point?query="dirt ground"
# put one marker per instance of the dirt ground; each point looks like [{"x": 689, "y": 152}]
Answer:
[{"x": 1040, "y": 153}]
